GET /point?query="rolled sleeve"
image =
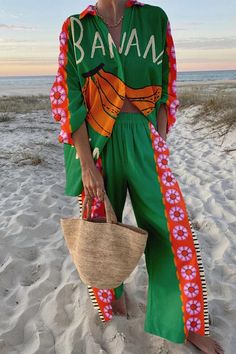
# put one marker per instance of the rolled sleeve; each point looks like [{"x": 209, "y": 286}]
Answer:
[
  {"x": 169, "y": 77},
  {"x": 67, "y": 100}
]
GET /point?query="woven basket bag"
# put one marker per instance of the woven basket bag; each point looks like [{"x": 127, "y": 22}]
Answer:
[{"x": 104, "y": 251}]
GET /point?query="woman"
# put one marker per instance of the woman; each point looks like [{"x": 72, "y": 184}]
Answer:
[{"x": 115, "y": 97}]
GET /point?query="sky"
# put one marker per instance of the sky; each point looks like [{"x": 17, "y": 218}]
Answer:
[{"x": 204, "y": 33}]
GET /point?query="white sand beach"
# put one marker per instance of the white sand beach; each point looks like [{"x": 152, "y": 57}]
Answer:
[{"x": 44, "y": 306}]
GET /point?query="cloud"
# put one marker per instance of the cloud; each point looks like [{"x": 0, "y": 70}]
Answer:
[
  {"x": 195, "y": 24},
  {"x": 26, "y": 60},
  {"x": 17, "y": 28},
  {"x": 6, "y": 41},
  {"x": 180, "y": 29},
  {"x": 206, "y": 43},
  {"x": 4, "y": 14},
  {"x": 187, "y": 25}
]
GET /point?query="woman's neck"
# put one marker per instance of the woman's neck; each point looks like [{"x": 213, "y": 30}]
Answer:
[{"x": 112, "y": 10}]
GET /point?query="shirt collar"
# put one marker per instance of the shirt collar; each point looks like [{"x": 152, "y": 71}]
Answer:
[{"x": 90, "y": 9}]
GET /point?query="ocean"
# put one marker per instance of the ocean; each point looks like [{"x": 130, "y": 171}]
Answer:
[
  {"x": 220, "y": 75},
  {"x": 35, "y": 85}
]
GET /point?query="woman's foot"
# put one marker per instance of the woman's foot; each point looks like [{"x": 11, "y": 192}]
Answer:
[
  {"x": 119, "y": 306},
  {"x": 206, "y": 344}
]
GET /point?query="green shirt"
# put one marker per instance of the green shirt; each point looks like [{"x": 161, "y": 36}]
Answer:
[{"x": 94, "y": 76}]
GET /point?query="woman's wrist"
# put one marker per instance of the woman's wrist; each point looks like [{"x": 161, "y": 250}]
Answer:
[
  {"x": 162, "y": 121},
  {"x": 87, "y": 163}
]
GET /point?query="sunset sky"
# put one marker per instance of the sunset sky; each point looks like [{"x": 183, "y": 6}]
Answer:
[{"x": 203, "y": 31}]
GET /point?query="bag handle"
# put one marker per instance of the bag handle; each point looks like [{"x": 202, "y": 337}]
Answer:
[{"x": 110, "y": 214}]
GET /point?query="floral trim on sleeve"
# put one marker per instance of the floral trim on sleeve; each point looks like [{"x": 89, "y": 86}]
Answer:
[{"x": 170, "y": 92}]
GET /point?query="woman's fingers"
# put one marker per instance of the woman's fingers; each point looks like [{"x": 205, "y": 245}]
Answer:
[
  {"x": 91, "y": 190},
  {"x": 94, "y": 191},
  {"x": 100, "y": 193},
  {"x": 88, "y": 192},
  {"x": 93, "y": 184}
]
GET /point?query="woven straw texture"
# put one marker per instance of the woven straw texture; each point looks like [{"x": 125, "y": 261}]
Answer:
[{"x": 104, "y": 251}]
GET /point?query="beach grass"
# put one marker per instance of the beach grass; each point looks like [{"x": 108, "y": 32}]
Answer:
[
  {"x": 24, "y": 104},
  {"x": 5, "y": 117},
  {"x": 217, "y": 108},
  {"x": 217, "y": 105},
  {"x": 29, "y": 158}
]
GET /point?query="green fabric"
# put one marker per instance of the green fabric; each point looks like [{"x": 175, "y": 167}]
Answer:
[
  {"x": 89, "y": 52},
  {"x": 74, "y": 185},
  {"x": 119, "y": 291},
  {"x": 165, "y": 75},
  {"x": 76, "y": 105},
  {"x": 128, "y": 162}
]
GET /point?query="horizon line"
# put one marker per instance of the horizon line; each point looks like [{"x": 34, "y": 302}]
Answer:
[{"x": 183, "y": 71}]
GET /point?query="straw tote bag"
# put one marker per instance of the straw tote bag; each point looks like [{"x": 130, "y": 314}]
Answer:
[{"x": 104, "y": 251}]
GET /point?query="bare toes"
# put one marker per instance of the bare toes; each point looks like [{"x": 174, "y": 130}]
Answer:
[
  {"x": 219, "y": 349},
  {"x": 219, "y": 346}
]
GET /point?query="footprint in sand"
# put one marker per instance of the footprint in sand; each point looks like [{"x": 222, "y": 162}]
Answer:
[
  {"x": 30, "y": 275},
  {"x": 27, "y": 253}
]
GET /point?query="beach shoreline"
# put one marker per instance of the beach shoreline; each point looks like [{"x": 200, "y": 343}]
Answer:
[{"x": 41, "y": 88}]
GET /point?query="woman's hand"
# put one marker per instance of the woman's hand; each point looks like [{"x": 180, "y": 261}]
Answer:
[
  {"x": 91, "y": 176},
  {"x": 93, "y": 181},
  {"x": 162, "y": 121},
  {"x": 162, "y": 134}
]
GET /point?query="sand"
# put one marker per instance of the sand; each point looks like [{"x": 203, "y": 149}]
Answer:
[{"x": 44, "y": 306}]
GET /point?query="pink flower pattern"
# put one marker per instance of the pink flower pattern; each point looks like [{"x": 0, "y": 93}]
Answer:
[
  {"x": 153, "y": 130},
  {"x": 173, "y": 52},
  {"x": 184, "y": 253},
  {"x": 95, "y": 207},
  {"x": 61, "y": 59},
  {"x": 59, "y": 77},
  {"x": 188, "y": 272},
  {"x": 63, "y": 38},
  {"x": 175, "y": 210},
  {"x": 180, "y": 233},
  {"x": 105, "y": 295},
  {"x": 191, "y": 289},
  {"x": 193, "y": 324},
  {"x": 159, "y": 144},
  {"x": 174, "y": 87},
  {"x": 168, "y": 179},
  {"x": 173, "y": 106},
  {"x": 172, "y": 196},
  {"x": 162, "y": 161},
  {"x": 169, "y": 28},
  {"x": 63, "y": 137},
  {"x": 176, "y": 213},
  {"x": 57, "y": 95},
  {"x": 59, "y": 115},
  {"x": 108, "y": 311},
  {"x": 193, "y": 307}
]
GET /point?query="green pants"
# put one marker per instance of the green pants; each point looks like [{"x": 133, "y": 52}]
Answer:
[{"x": 136, "y": 158}]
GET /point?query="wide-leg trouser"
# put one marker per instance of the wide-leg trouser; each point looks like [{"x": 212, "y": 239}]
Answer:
[{"x": 136, "y": 157}]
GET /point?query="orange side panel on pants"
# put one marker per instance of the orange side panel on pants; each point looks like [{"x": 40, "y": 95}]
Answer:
[{"x": 184, "y": 243}]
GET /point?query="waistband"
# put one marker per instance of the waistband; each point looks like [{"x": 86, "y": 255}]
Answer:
[
  {"x": 130, "y": 116},
  {"x": 136, "y": 117}
]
